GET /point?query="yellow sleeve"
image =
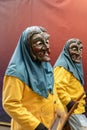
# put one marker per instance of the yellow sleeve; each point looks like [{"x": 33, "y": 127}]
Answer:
[
  {"x": 12, "y": 103},
  {"x": 61, "y": 80}
]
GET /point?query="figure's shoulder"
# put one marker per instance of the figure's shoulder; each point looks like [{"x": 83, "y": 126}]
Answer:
[
  {"x": 12, "y": 79},
  {"x": 60, "y": 70}
]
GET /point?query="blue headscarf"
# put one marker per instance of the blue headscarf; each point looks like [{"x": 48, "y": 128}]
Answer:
[
  {"x": 65, "y": 60},
  {"x": 37, "y": 75}
]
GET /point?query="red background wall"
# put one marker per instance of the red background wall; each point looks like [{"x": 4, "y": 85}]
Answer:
[{"x": 63, "y": 19}]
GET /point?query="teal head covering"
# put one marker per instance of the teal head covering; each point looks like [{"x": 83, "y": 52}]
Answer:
[
  {"x": 37, "y": 75},
  {"x": 65, "y": 60}
]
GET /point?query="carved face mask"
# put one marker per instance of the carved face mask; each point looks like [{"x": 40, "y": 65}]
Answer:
[
  {"x": 40, "y": 48},
  {"x": 75, "y": 51}
]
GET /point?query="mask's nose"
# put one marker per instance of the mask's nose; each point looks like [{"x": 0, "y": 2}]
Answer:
[
  {"x": 46, "y": 47},
  {"x": 79, "y": 51}
]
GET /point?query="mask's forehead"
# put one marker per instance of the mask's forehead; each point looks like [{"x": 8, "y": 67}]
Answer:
[
  {"x": 37, "y": 37},
  {"x": 46, "y": 35},
  {"x": 29, "y": 32},
  {"x": 32, "y": 31},
  {"x": 43, "y": 36},
  {"x": 77, "y": 45},
  {"x": 70, "y": 41}
]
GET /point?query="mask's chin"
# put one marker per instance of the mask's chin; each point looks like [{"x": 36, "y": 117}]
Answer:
[
  {"x": 45, "y": 59},
  {"x": 77, "y": 60},
  {"x": 42, "y": 56}
]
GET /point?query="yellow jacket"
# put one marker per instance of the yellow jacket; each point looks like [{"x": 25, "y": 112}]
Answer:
[
  {"x": 27, "y": 108},
  {"x": 68, "y": 87}
]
